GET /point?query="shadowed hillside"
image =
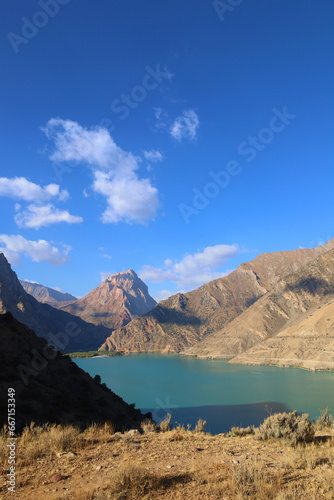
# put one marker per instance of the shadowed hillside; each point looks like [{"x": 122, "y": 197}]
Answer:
[
  {"x": 67, "y": 332},
  {"x": 49, "y": 387}
]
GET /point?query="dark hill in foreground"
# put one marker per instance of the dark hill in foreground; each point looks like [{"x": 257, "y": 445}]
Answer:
[{"x": 49, "y": 387}]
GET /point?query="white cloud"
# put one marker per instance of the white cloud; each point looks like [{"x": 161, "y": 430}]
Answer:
[
  {"x": 185, "y": 126},
  {"x": 129, "y": 198},
  {"x": 106, "y": 256},
  {"x": 193, "y": 270},
  {"x": 160, "y": 113},
  {"x": 36, "y": 216},
  {"x": 13, "y": 246},
  {"x": 19, "y": 188},
  {"x": 153, "y": 155}
]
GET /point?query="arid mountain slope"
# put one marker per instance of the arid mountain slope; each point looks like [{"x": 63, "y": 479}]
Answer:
[
  {"x": 287, "y": 307},
  {"x": 47, "y": 295},
  {"x": 183, "y": 320},
  {"x": 67, "y": 332},
  {"x": 50, "y": 387},
  {"x": 120, "y": 298},
  {"x": 309, "y": 343}
]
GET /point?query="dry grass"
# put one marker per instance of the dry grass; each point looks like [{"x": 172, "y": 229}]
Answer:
[
  {"x": 36, "y": 442},
  {"x": 242, "y": 431},
  {"x": 97, "y": 433},
  {"x": 148, "y": 426},
  {"x": 165, "y": 425},
  {"x": 251, "y": 479},
  {"x": 200, "y": 426},
  {"x": 325, "y": 421},
  {"x": 174, "y": 464}
]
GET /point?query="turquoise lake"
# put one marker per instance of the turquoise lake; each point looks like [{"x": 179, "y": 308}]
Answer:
[{"x": 223, "y": 394}]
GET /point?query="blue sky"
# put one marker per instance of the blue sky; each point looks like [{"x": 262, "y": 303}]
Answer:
[{"x": 175, "y": 138}]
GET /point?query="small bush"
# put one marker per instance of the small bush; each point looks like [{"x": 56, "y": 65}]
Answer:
[
  {"x": 242, "y": 431},
  {"x": 148, "y": 426},
  {"x": 200, "y": 426},
  {"x": 290, "y": 427},
  {"x": 134, "y": 482},
  {"x": 325, "y": 420},
  {"x": 165, "y": 425}
]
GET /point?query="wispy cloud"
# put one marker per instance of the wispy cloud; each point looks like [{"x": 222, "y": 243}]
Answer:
[
  {"x": 36, "y": 216},
  {"x": 129, "y": 198},
  {"x": 194, "y": 269},
  {"x": 106, "y": 256},
  {"x": 153, "y": 155},
  {"x": 20, "y": 188},
  {"x": 185, "y": 126},
  {"x": 160, "y": 113},
  {"x": 14, "y": 246}
]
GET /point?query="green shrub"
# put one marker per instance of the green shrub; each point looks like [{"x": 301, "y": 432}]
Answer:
[{"x": 290, "y": 427}]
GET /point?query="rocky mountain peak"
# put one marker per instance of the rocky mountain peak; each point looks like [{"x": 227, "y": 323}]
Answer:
[
  {"x": 120, "y": 298},
  {"x": 129, "y": 274}
]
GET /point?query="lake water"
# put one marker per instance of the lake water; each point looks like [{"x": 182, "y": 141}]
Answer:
[{"x": 221, "y": 393}]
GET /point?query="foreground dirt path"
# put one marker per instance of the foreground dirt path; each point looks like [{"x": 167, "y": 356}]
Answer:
[{"x": 180, "y": 464}]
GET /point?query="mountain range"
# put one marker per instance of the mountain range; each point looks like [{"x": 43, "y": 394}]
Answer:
[
  {"x": 193, "y": 323},
  {"x": 47, "y": 295},
  {"x": 276, "y": 309}
]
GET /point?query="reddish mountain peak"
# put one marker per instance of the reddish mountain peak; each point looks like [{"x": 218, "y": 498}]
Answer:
[{"x": 120, "y": 298}]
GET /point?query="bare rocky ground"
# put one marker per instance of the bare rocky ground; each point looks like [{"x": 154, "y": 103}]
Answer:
[{"x": 176, "y": 464}]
